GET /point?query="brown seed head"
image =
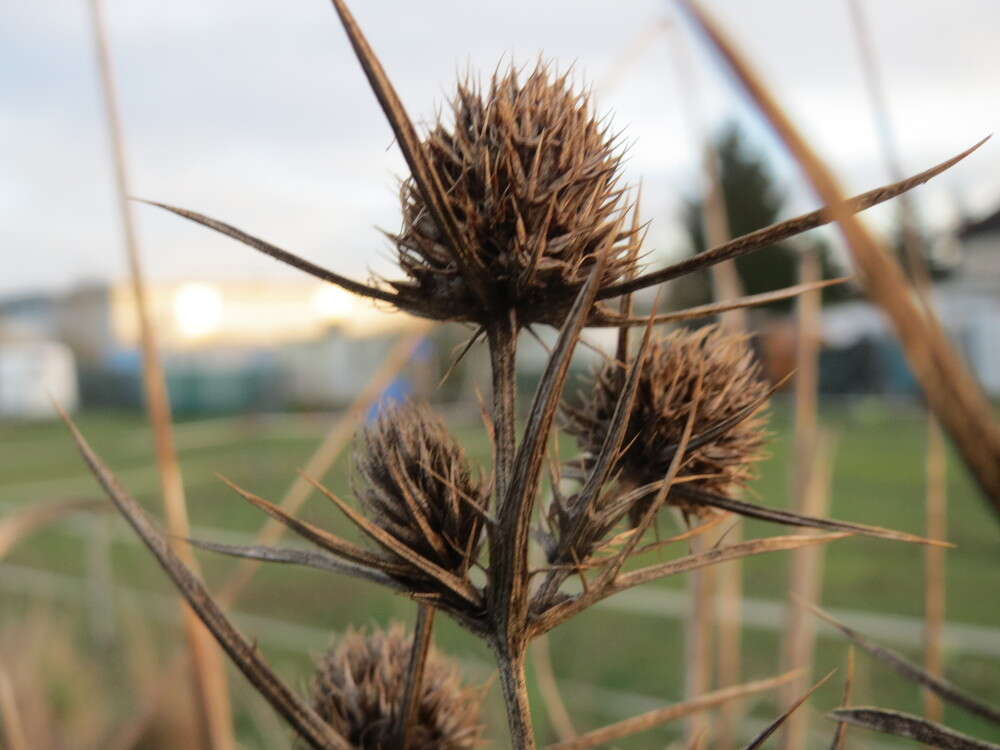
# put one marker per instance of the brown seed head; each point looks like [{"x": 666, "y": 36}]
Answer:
[
  {"x": 731, "y": 383},
  {"x": 532, "y": 179},
  {"x": 358, "y": 689},
  {"x": 417, "y": 485}
]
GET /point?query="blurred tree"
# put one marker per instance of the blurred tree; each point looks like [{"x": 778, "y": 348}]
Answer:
[{"x": 753, "y": 200}]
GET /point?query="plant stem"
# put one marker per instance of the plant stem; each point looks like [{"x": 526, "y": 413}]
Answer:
[
  {"x": 511, "y": 663},
  {"x": 502, "y": 338},
  {"x": 415, "y": 672}
]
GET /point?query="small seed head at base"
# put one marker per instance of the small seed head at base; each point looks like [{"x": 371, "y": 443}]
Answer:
[
  {"x": 532, "y": 178},
  {"x": 731, "y": 383},
  {"x": 359, "y": 688},
  {"x": 415, "y": 482}
]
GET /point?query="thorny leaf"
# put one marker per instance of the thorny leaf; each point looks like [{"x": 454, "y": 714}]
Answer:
[{"x": 912, "y": 727}]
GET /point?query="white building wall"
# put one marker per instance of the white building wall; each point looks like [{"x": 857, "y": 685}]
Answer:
[{"x": 32, "y": 373}]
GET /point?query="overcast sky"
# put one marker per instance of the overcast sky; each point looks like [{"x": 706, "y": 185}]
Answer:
[{"x": 256, "y": 113}]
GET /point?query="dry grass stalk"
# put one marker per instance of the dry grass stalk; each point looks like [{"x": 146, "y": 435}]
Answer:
[
  {"x": 936, "y": 491},
  {"x": 952, "y": 393},
  {"x": 13, "y": 728},
  {"x": 726, "y": 580},
  {"x": 658, "y": 716},
  {"x": 840, "y": 735},
  {"x": 548, "y": 688},
  {"x": 808, "y": 491},
  {"x": 806, "y": 579},
  {"x": 934, "y": 563},
  {"x": 18, "y": 524},
  {"x": 209, "y": 676}
]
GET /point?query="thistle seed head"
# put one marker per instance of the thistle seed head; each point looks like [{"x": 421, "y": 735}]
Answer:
[
  {"x": 731, "y": 384},
  {"x": 532, "y": 178},
  {"x": 416, "y": 483},
  {"x": 358, "y": 689}
]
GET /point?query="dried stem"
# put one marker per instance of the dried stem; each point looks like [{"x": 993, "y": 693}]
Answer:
[
  {"x": 515, "y": 694},
  {"x": 807, "y": 496},
  {"x": 545, "y": 678},
  {"x": 657, "y": 716},
  {"x": 840, "y": 734},
  {"x": 23, "y": 521},
  {"x": 415, "y": 673},
  {"x": 936, "y": 520},
  {"x": 11, "y": 715},
  {"x": 209, "y": 677}
]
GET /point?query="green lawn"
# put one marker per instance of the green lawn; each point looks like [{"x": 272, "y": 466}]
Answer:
[{"x": 878, "y": 477}]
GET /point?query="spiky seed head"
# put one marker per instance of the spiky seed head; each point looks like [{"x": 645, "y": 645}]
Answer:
[
  {"x": 731, "y": 383},
  {"x": 358, "y": 689},
  {"x": 414, "y": 481},
  {"x": 532, "y": 177}
]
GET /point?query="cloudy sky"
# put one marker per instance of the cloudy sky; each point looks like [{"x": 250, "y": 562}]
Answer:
[{"x": 256, "y": 113}]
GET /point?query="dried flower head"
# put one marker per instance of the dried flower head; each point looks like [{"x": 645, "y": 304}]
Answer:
[
  {"x": 727, "y": 436},
  {"x": 416, "y": 484},
  {"x": 359, "y": 688},
  {"x": 532, "y": 179}
]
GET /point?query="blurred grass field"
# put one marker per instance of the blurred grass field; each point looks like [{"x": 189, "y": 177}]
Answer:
[{"x": 614, "y": 661}]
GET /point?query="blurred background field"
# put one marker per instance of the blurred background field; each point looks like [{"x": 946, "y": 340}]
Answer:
[{"x": 89, "y": 574}]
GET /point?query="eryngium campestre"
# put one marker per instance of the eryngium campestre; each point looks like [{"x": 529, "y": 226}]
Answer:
[
  {"x": 416, "y": 483},
  {"x": 532, "y": 179},
  {"x": 358, "y": 689},
  {"x": 731, "y": 385}
]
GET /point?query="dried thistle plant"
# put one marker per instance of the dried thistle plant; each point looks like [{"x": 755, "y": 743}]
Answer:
[
  {"x": 358, "y": 690},
  {"x": 726, "y": 418},
  {"x": 514, "y": 215}
]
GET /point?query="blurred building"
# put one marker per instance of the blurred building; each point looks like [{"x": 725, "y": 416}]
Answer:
[{"x": 226, "y": 346}]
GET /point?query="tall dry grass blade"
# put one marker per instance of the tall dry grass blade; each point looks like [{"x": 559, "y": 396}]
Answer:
[
  {"x": 809, "y": 483},
  {"x": 770, "y": 235},
  {"x": 952, "y": 393},
  {"x": 413, "y": 151},
  {"x": 944, "y": 689},
  {"x": 936, "y": 495},
  {"x": 788, "y": 518},
  {"x": 422, "y": 634},
  {"x": 20, "y": 523},
  {"x": 771, "y": 728},
  {"x": 13, "y": 727},
  {"x": 657, "y": 716},
  {"x": 935, "y": 522},
  {"x": 699, "y": 637},
  {"x": 840, "y": 735},
  {"x": 912, "y": 727},
  {"x": 562, "y": 612},
  {"x": 284, "y": 256},
  {"x": 209, "y": 677},
  {"x": 548, "y": 688},
  {"x": 243, "y": 653}
]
